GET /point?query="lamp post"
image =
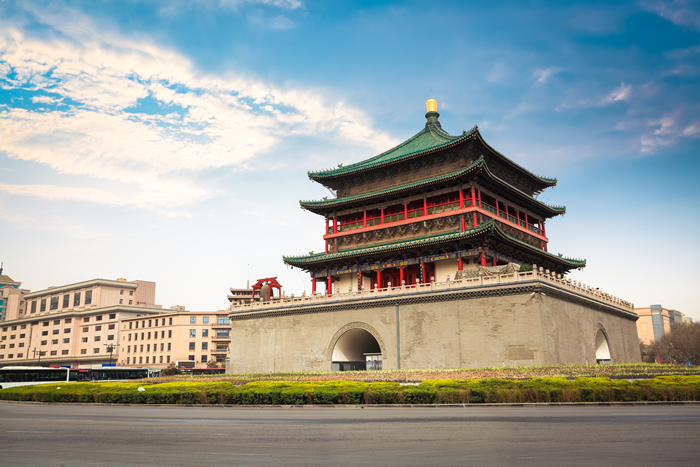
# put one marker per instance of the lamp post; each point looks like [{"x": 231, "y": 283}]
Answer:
[
  {"x": 110, "y": 349},
  {"x": 39, "y": 363}
]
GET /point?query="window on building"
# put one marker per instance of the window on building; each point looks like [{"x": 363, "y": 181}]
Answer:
[
  {"x": 98, "y": 328},
  {"x": 84, "y": 339},
  {"x": 20, "y": 355},
  {"x": 170, "y": 334},
  {"x": 161, "y": 359},
  {"x": 57, "y": 321},
  {"x": 42, "y": 308},
  {"x": 193, "y": 332},
  {"x": 2, "y": 346},
  {"x": 64, "y": 352},
  {"x": 21, "y": 344},
  {"x": 131, "y": 292},
  {"x": 167, "y": 359},
  {"x": 136, "y": 324},
  {"x": 54, "y": 303},
  {"x": 192, "y": 345},
  {"x": 190, "y": 357},
  {"x": 205, "y": 332},
  {"x": 43, "y": 342},
  {"x": 4, "y": 329},
  {"x": 111, "y": 326},
  {"x": 170, "y": 321},
  {"x": 76, "y": 299},
  {"x": 162, "y": 346},
  {"x": 140, "y": 359},
  {"x": 168, "y": 346},
  {"x": 128, "y": 349},
  {"x": 222, "y": 320},
  {"x": 98, "y": 318},
  {"x": 54, "y": 352},
  {"x": 83, "y": 351},
  {"x": 156, "y": 322},
  {"x": 193, "y": 320},
  {"x": 110, "y": 337},
  {"x": 55, "y": 331},
  {"x": 121, "y": 302},
  {"x": 43, "y": 333},
  {"x": 205, "y": 320},
  {"x": 66, "y": 331},
  {"x": 12, "y": 346},
  {"x": 163, "y": 321},
  {"x": 14, "y": 328},
  {"x": 205, "y": 345},
  {"x": 142, "y": 334},
  {"x": 66, "y": 340},
  {"x": 86, "y": 319},
  {"x": 88, "y": 297},
  {"x": 34, "y": 306},
  {"x": 127, "y": 360},
  {"x": 220, "y": 359},
  {"x": 150, "y": 323},
  {"x": 45, "y": 323},
  {"x": 85, "y": 329},
  {"x": 96, "y": 350},
  {"x": 148, "y": 347},
  {"x": 149, "y": 335},
  {"x": 97, "y": 338},
  {"x": 24, "y": 326},
  {"x": 162, "y": 334},
  {"x": 121, "y": 292},
  {"x": 141, "y": 347},
  {"x": 146, "y": 359},
  {"x": 66, "y": 300},
  {"x": 129, "y": 325},
  {"x": 68, "y": 320},
  {"x": 222, "y": 333},
  {"x": 21, "y": 336},
  {"x": 204, "y": 359},
  {"x": 129, "y": 336},
  {"x": 143, "y": 323}
]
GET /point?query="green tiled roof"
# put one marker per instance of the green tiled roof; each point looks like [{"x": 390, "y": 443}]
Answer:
[
  {"x": 428, "y": 139},
  {"x": 395, "y": 246},
  {"x": 479, "y": 163}
]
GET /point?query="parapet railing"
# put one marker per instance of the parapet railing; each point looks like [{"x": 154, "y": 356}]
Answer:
[{"x": 481, "y": 280}]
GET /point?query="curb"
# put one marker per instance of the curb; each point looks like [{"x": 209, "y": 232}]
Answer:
[{"x": 371, "y": 406}]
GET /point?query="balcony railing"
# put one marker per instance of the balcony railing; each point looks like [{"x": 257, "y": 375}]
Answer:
[
  {"x": 479, "y": 281},
  {"x": 443, "y": 207}
]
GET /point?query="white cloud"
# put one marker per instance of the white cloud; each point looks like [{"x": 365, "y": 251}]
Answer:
[
  {"x": 621, "y": 93},
  {"x": 207, "y": 122},
  {"x": 681, "y": 12},
  {"x": 498, "y": 73},
  {"x": 667, "y": 131},
  {"x": 692, "y": 130},
  {"x": 543, "y": 75}
]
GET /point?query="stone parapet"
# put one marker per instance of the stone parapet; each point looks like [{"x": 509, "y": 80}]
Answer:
[{"x": 406, "y": 291}]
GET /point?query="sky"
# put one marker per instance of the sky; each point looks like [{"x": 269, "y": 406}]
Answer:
[{"x": 170, "y": 141}]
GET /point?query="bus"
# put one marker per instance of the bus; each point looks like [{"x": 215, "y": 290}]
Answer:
[
  {"x": 11, "y": 376},
  {"x": 202, "y": 371}
]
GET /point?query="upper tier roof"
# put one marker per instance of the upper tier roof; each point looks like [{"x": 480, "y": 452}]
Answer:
[{"x": 430, "y": 139}]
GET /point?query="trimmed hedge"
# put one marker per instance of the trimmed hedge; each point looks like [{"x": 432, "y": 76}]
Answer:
[{"x": 445, "y": 391}]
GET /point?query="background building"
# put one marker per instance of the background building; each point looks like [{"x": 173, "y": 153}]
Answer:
[
  {"x": 655, "y": 320},
  {"x": 11, "y": 297},
  {"x": 157, "y": 341}
]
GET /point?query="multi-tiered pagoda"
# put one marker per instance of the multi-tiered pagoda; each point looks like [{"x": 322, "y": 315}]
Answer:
[{"x": 432, "y": 208}]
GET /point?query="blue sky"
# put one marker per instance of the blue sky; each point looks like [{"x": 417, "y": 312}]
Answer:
[{"x": 169, "y": 141}]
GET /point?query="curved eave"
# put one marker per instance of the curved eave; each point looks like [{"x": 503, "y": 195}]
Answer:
[
  {"x": 323, "y": 206},
  {"x": 489, "y": 227},
  {"x": 545, "y": 181},
  {"x": 369, "y": 165}
]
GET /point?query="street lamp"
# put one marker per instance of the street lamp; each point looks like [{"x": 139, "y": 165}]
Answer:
[
  {"x": 110, "y": 349},
  {"x": 39, "y": 363}
]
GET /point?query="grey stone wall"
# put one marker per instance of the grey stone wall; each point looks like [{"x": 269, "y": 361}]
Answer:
[{"x": 532, "y": 324}]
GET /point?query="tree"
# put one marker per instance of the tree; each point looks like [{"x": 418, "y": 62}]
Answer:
[
  {"x": 212, "y": 364},
  {"x": 682, "y": 343},
  {"x": 170, "y": 370},
  {"x": 650, "y": 351}
]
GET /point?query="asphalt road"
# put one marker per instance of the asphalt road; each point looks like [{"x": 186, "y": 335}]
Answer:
[{"x": 43, "y": 435}]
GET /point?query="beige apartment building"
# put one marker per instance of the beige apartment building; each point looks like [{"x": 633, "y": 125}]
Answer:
[
  {"x": 75, "y": 324},
  {"x": 11, "y": 297},
  {"x": 157, "y": 341},
  {"x": 654, "y": 321}
]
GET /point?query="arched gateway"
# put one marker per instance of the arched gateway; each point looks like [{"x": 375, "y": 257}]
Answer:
[
  {"x": 356, "y": 346},
  {"x": 602, "y": 350}
]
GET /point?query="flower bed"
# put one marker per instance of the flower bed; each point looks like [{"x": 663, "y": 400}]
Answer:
[{"x": 436, "y": 391}]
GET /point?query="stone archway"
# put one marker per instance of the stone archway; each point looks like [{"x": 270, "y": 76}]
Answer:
[
  {"x": 350, "y": 346},
  {"x": 602, "y": 347}
]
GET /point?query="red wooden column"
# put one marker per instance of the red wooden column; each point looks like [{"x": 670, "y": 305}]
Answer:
[
  {"x": 474, "y": 204},
  {"x": 335, "y": 245},
  {"x": 526, "y": 221},
  {"x": 422, "y": 265},
  {"x": 335, "y": 223},
  {"x": 493, "y": 262},
  {"x": 364, "y": 218},
  {"x": 507, "y": 214},
  {"x": 326, "y": 246},
  {"x": 401, "y": 276},
  {"x": 405, "y": 211},
  {"x": 382, "y": 216},
  {"x": 313, "y": 285},
  {"x": 329, "y": 285},
  {"x": 542, "y": 228},
  {"x": 497, "y": 210},
  {"x": 483, "y": 260},
  {"x": 425, "y": 206},
  {"x": 461, "y": 196},
  {"x": 462, "y": 216},
  {"x": 379, "y": 278},
  {"x": 479, "y": 193},
  {"x": 460, "y": 266}
]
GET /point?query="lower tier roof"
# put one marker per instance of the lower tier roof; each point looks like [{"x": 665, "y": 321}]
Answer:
[{"x": 487, "y": 229}]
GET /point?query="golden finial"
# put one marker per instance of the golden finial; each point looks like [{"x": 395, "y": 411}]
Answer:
[{"x": 431, "y": 105}]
